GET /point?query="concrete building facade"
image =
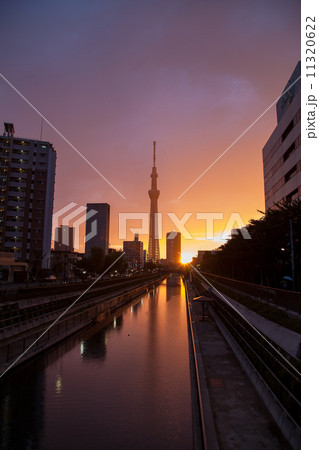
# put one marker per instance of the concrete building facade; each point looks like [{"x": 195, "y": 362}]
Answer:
[
  {"x": 97, "y": 227},
  {"x": 282, "y": 152},
  {"x": 134, "y": 253},
  {"x": 27, "y": 176},
  {"x": 173, "y": 247}
]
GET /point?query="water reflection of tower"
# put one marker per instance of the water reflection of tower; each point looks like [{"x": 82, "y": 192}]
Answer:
[
  {"x": 136, "y": 307},
  {"x": 173, "y": 286},
  {"x": 94, "y": 344},
  {"x": 153, "y": 244},
  {"x": 153, "y": 334}
]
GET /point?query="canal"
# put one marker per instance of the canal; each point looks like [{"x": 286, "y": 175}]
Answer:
[{"x": 123, "y": 383}]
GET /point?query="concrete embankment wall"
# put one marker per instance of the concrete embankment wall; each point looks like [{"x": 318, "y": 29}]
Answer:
[{"x": 43, "y": 332}]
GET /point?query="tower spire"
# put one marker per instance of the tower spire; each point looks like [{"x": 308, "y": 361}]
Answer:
[{"x": 153, "y": 244}]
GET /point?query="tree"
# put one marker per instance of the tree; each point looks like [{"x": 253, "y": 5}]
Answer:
[
  {"x": 150, "y": 265},
  {"x": 267, "y": 257},
  {"x": 120, "y": 265},
  {"x": 95, "y": 261}
]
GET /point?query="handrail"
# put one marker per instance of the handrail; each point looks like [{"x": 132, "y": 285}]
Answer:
[
  {"x": 286, "y": 291},
  {"x": 202, "y": 420}
]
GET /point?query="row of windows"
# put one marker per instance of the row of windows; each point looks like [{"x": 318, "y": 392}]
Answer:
[
  {"x": 13, "y": 239},
  {"x": 17, "y": 180},
  {"x": 4, "y": 171},
  {"x": 292, "y": 172},
  {"x": 275, "y": 188},
  {"x": 16, "y": 198},
  {"x": 17, "y": 229},
  {"x": 17, "y": 189},
  {"x": 19, "y": 241},
  {"x": 291, "y": 125},
  {"x": 14, "y": 219},
  {"x": 293, "y": 195},
  {"x": 25, "y": 161},
  {"x": 25, "y": 152},
  {"x": 16, "y": 170},
  {"x": 297, "y": 117},
  {"x": 20, "y": 152},
  {"x": 19, "y": 161},
  {"x": 283, "y": 158},
  {"x": 273, "y": 151},
  {"x": 21, "y": 219},
  {"x": 21, "y": 142},
  {"x": 15, "y": 208}
]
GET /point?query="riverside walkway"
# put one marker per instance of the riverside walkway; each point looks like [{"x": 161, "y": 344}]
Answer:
[{"x": 239, "y": 417}]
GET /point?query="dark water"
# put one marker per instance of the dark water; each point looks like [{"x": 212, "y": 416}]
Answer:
[{"x": 122, "y": 385}]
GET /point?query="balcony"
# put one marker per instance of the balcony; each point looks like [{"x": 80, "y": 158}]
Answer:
[{"x": 12, "y": 234}]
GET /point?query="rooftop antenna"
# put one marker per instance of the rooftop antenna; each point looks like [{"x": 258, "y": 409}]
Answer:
[
  {"x": 41, "y": 128},
  {"x": 154, "y": 144}
]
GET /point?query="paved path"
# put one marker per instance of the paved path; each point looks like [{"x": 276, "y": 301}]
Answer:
[
  {"x": 241, "y": 419},
  {"x": 286, "y": 339}
]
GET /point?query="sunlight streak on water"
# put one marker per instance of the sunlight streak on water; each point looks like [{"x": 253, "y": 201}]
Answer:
[{"x": 119, "y": 384}]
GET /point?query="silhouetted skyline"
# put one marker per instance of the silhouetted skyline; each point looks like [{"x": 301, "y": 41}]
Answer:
[{"x": 112, "y": 77}]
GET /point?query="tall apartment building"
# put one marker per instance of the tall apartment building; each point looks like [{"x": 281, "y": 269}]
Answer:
[
  {"x": 27, "y": 176},
  {"x": 173, "y": 247},
  {"x": 97, "y": 227},
  {"x": 282, "y": 152},
  {"x": 134, "y": 253}
]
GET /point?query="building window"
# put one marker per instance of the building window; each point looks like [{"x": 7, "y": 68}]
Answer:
[
  {"x": 289, "y": 151},
  {"x": 292, "y": 172},
  {"x": 287, "y": 130},
  {"x": 292, "y": 196}
]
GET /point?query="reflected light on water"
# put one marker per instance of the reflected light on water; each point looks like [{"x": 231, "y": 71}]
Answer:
[{"x": 128, "y": 388}]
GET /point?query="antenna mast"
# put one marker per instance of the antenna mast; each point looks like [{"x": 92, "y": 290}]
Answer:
[
  {"x": 154, "y": 144},
  {"x": 41, "y": 129}
]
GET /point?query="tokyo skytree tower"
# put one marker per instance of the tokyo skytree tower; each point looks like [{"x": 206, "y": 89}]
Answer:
[{"x": 153, "y": 244}]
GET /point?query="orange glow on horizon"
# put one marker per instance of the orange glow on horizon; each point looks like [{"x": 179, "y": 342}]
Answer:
[
  {"x": 187, "y": 257},
  {"x": 160, "y": 88}
]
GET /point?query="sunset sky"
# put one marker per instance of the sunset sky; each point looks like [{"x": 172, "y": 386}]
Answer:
[{"x": 112, "y": 76}]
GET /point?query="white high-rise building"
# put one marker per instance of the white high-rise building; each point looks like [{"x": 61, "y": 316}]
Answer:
[{"x": 282, "y": 152}]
